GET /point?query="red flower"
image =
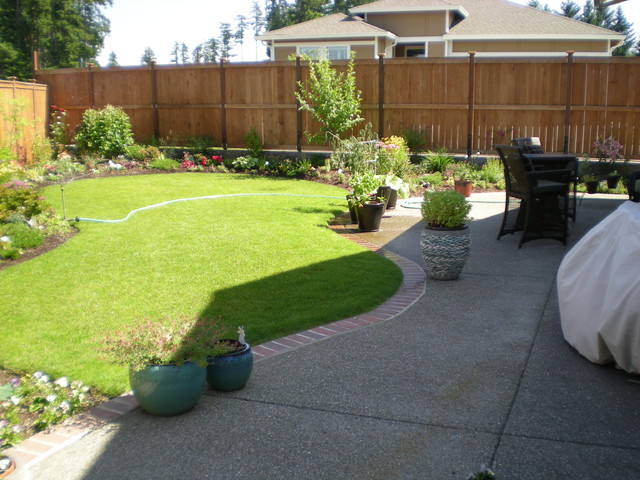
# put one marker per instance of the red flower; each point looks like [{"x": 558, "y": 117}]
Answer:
[{"x": 217, "y": 158}]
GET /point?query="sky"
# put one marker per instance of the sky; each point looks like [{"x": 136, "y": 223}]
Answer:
[{"x": 158, "y": 24}]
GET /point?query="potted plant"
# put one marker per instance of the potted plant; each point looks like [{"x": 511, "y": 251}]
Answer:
[
  {"x": 446, "y": 239},
  {"x": 591, "y": 183},
  {"x": 398, "y": 187},
  {"x": 230, "y": 370},
  {"x": 461, "y": 179},
  {"x": 369, "y": 207},
  {"x": 609, "y": 151},
  {"x": 612, "y": 180},
  {"x": 167, "y": 360}
]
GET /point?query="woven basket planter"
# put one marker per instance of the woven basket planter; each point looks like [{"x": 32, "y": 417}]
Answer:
[{"x": 445, "y": 251}]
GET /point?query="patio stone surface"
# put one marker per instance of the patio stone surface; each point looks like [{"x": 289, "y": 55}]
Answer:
[{"x": 442, "y": 378}]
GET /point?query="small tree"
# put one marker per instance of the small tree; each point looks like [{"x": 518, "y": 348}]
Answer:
[
  {"x": 105, "y": 132},
  {"x": 148, "y": 56},
  {"x": 331, "y": 98}
]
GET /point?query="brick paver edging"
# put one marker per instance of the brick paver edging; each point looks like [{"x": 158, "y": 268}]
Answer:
[{"x": 46, "y": 443}]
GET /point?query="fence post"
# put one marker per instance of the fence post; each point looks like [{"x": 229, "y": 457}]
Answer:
[
  {"x": 567, "y": 110},
  {"x": 35, "y": 61},
  {"x": 298, "y": 111},
  {"x": 92, "y": 99},
  {"x": 223, "y": 101},
  {"x": 472, "y": 82},
  {"x": 381, "y": 94},
  {"x": 154, "y": 100}
]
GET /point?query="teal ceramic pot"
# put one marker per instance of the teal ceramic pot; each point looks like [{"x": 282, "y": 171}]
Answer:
[
  {"x": 168, "y": 389},
  {"x": 230, "y": 371}
]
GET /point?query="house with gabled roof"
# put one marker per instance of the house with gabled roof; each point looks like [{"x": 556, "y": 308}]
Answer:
[{"x": 440, "y": 28}]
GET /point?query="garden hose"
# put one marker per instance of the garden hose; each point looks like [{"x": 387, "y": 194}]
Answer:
[{"x": 208, "y": 197}]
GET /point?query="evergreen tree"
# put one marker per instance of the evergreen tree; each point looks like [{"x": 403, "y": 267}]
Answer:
[
  {"x": 113, "y": 60},
  {"x": 197, "y": 54},
  {"x": 240, "y": 29},
  {"x": 539, "y": 6},
  {"x": 226, "y": 37},
  {"x": 308, "y": 10},
  {"x": 622, "y": 25},
  {"x": 210, "y": 51},
  {"x": 184, "y": 53},
  {"x": 569, "y": 9},
  {"x": 65, "y": 33},
  {"x": 148, "y": 56},
  {"x": 257, "y": 22},
  {"x": 174, "y": 53},
  {"x": 279, "y": 14}
]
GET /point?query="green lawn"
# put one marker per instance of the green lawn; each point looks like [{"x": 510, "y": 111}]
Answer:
[{"x": 265, "y": 262}]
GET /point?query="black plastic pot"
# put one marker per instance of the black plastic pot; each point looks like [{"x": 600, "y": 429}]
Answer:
[
  {"x": 370, "y": 216},
  {"x": 352, "y": 209},
  {"x": 393, "y": 199},
  {"x": 612, "y": 181},
  {"x": 591, "y": 186},
  {"x": 384, "y": 192}
]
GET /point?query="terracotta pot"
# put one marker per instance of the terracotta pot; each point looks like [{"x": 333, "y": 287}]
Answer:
[{"x": 463, "y": 187}]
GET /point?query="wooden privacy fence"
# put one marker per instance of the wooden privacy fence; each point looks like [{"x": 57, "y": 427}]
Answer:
[
  {"x": 464, "y": 105},
  {"x": 24, "y": 114}
]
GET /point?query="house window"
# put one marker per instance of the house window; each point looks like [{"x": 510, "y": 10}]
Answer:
[
  {"x": 414, "y": 51},
  {"x": 333, "y": 52}
]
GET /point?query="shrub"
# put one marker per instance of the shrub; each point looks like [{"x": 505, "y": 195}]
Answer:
[
  {"x": 356, "y": 154},
  {"x": 438, "y": 161},
  {"x": 446, "y": 209},
  {"x": 21, "y": 235},
  {"x": 106, "y": 132},
  {"x": 17, "y": 198},
  {"x": 199, "y": 143},
  {"x": 393, "y": 157},
  {"x": 254, "y": 143},
  {"x": 163, "y": 163},
  {"x": 415, "y": 139}
]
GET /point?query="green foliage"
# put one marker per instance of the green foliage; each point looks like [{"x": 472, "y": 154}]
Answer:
[
  {"x": 492, "y": 172},
  {"x": 58, "y": 129},
  {"x": 65, "y": 33},
  {"x": 414, "y": 139},
  {"x": 356, "y": 154},
  {"x": 199, "y": 144},
  {"x": 254, "y": 143},
  {"x": 363, "y": 186},
  {"x": 331, "y": 98},
  {"x": 246, "y": 163},
  {"x": 106, "y": 132},
  {"x": 434, "y": 180},
  {"x": 163, "y": 163},
  {"x": 17, "y": 198},
  {"x": 22, "y": 236},
  {"x": 438, "y": 161},
  {"x": 445, "y": 209},
  {"x": 393, "y": 157},
  {"x": 142, "y": 153},
  {"x": 165, "y": 342}
]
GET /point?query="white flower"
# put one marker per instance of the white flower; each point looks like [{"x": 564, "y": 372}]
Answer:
[
  {"x": 15, "y": 399},
  {"x": 339, "y": 171},
  {"x": 65, "y": 406},
  {"x": 44, "y": 379},
  {"x": 266, "y": 164},
  {"x": 51, "y": 398},
  {"x": 5, "y": 239},
  {"x": 38, "y": 374},
  {"x": 62, "y": 381}
]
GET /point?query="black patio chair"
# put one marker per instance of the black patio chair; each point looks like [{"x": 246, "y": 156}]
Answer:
[
  {"x": 528, "y": 145},
  {"x": 633, "y": 186},
  {"x": 537, "y": 202}
]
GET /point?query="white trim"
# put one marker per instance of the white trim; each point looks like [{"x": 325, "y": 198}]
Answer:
[
  {"x": 528, "y": 54},
  {"x": 319, "y": 36},
  {"x": 321, "y": 43},
  {"x": 367, "y": 9},
  {"x": 323, "y": 49},
  {"x": 536, "y": 36}
]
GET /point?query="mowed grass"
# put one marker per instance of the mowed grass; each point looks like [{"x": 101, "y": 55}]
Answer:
[{"x": 267, "y": 263}]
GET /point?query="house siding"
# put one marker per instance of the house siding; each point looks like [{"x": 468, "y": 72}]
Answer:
[
  {"x": 436, "y": 50},
  {"x": 530, "y": 46},
  {"x": 410, "y": 24}
]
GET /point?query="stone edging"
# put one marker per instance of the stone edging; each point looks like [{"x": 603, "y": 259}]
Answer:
[{"x": 44, "y": 444}]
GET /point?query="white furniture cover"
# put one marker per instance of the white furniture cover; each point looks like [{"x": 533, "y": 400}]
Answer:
[{"x": 599, "y": 291}]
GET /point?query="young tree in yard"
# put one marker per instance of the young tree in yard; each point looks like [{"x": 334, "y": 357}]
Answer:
[
  {"x": 256, "y": 22},
  {"x": 174, "y": 53},
  {"x": 148, "y": 56},
  {"x": 196, "y": 55},
  {"x": 331, "y": 98},
  {"x": 210, "y": 51}
]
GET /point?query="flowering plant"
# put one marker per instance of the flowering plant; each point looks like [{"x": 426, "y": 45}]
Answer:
[
  {"x": 393, "y": 156},
  {"x": 609, "y": 150},
  {"x": 34, "y": 402},
  {"x": 166, "y": 342}
]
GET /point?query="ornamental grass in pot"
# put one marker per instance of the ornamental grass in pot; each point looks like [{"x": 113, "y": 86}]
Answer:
[
  {"x": 167, "y": 360},
  {"x": 446, "y": 239}
]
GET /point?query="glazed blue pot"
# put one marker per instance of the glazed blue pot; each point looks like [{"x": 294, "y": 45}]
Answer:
[
  {"x": 230, "y": 371},
  {"x": 168, "y": 389}
]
